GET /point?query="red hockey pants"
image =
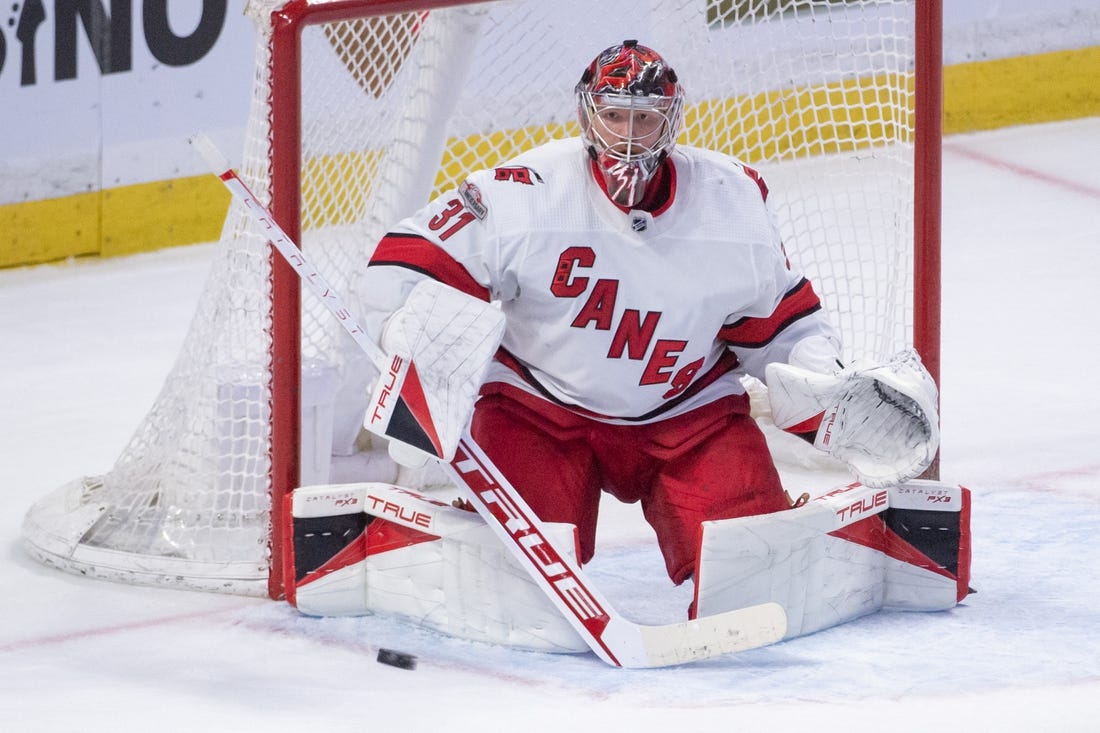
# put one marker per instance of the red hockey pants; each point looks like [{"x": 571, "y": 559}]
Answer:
[{"x": 711, "y": 463}]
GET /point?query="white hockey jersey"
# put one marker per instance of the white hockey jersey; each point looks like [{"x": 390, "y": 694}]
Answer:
[{"x": 624, "y": 316}]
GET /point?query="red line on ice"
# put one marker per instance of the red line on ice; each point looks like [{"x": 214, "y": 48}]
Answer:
[
  {"x": 1022, "y": 170},
  {"x": 42, "y": 641}
]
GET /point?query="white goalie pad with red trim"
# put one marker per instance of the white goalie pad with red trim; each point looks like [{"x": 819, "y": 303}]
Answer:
[
  {"x": 846, "y": 554},
  {"x": 362, "y": 548}
]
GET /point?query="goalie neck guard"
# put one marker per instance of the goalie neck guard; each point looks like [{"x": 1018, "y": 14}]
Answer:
[{"x": 630, "y": 106}]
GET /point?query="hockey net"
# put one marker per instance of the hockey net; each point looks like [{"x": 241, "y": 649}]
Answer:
[{"x": 358, "y": 118}]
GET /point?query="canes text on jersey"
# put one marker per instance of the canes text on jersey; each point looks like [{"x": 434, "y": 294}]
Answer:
[{"x": 633, "y": 334}]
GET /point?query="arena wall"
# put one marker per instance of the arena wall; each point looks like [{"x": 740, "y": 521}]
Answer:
[{"x": 97, "y": 100}]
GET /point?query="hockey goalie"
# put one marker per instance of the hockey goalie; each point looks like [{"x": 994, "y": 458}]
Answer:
[{"x": 590, "y": 309}]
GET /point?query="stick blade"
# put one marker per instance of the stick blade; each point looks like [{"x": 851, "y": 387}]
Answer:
[{"x": 710, "y": 636}]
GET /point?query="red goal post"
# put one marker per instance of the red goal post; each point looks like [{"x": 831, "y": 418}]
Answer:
[
  {"x": 364, "y": 108},
  {"x": 287, "y": 25},
  {"x": 927, "y": 189}
]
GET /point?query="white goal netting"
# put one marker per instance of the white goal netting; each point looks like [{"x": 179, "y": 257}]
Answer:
[{"x": 818, "y": 95}]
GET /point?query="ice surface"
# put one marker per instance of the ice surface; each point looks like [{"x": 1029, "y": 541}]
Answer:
[{"x": 86, "y": 346}]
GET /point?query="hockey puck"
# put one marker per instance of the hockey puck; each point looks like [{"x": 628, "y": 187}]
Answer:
[{"x": 396, "y": 659}]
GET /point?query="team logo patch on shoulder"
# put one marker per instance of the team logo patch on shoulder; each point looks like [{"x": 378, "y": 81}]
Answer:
[
  {"x": 471, "y": 196},
  {"x": 517, "y": 174}
]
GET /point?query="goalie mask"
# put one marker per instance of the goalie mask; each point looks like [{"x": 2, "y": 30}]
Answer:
[{"x": 629, "y": 104}]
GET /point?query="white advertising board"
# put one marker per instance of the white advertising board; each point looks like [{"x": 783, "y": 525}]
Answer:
[
  {"x": 96, "y": 94},
  {"x": 99, "y": 97},
  {"x": 102, "y": 93}
]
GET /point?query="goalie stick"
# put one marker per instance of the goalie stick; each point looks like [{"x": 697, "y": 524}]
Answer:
[
  {"x": 398, "y": 393},
  {"x": 613, "y": 638}
]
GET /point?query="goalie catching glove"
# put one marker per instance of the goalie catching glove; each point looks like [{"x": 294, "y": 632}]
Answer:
[{"x": 881, "y": 421}]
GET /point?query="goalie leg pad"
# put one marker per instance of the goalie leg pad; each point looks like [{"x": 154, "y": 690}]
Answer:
[
  {"x": 364, "y": 548},
  {"x": 841, "y": 556},
  {"x": 934, "y": 519}
]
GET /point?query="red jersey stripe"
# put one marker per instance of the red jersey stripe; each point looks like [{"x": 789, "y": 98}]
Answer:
[
  {"x": 419, "y": 254},
  {"x": 800, "y": 301}
]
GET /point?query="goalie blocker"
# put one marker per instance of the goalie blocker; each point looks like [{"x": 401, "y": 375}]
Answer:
[{"x": 372, "y": 547}]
